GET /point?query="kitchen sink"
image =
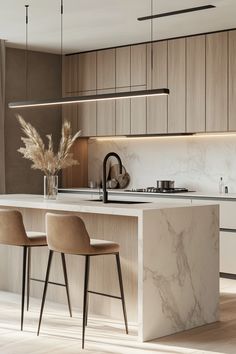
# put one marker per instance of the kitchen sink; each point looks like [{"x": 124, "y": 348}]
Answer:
[{"x": 118, "y": 201}]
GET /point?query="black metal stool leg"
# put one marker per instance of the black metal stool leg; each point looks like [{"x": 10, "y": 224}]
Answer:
[
  {"x": 28, "y": 277},
  {"x": 122, "y": 290},
  {"x": 23, "y": 285},
  {"x": 63, "y": 259},
  {"x": 86, "y": 277},
  {"x": 87, "y": 306},
  {"x": 45, "y": 288}
]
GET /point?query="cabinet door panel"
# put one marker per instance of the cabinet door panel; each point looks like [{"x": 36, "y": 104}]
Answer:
[
  {"x": 232, "y": 80},
  {"x": 157, "y": 78},
  {"x": 139, "y": 113},
  {"x": 138, "y": 65},
  {"x": 123, "y": 113},
  {"x": 123, "y": 58},
  {"x": 176, "y": 84},
  {"x": 86, "y": 112},
  {"x": 106, "y": 116},
  {"x": 227, "y": 252},
  {"x": 196, "y": 84},
  {"x": 216, "y": 82},
  {"x": 70, "y": 73},
  {"x": 70, "y": 113},
  {"x": 106, "y": 69},
  {"x": 87, "y": 71}
]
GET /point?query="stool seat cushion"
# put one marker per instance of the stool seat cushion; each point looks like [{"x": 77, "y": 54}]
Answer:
[
  {"x": 36, "y": 238},
  {"x": 103, "y": 247}
]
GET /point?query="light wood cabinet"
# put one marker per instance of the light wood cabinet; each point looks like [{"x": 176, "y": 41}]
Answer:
[
  {"x": 106, "y": 69},
  {"x": 123, "y": 63},
  {"x": 157, "y": 78},
  {"x": 123, "y": 77},
  {"x": 216, "y": 82},
  {"x": 87, "y": 117},
  {"x": 232, "y": 80},
  {"x": 176, "y": 84},
  {"x": 70, "y": 74},
  {"x": 138, "y": 65},
  {"x": 106, "y": 116},
  {"x": 196, "y": 88},
  {"x": 70, "y": 113},
  {"x": 87, "y": 71},
  {"x": 123, "y": 114},
  {"x": 139, "y": 113}
]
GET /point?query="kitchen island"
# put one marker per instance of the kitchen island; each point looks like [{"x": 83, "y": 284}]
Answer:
[{"x": 169, "y": 255}]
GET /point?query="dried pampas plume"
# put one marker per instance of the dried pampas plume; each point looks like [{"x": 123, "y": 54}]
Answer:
[{"x": 44, "y": 158}]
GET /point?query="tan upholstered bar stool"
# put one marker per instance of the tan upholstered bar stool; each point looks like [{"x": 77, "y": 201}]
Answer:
[
  {"x": 68, "y": 234},
  {"x": 12, "y": 233}
]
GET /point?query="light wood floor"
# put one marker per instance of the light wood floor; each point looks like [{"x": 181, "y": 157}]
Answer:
[{"x": 62, "y": 335}]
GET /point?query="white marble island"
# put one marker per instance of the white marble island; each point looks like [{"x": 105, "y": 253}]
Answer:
[{"x": 169, "y": 255}]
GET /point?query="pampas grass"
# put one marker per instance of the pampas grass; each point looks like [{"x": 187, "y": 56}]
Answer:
[{"x": 44, "y": 158}]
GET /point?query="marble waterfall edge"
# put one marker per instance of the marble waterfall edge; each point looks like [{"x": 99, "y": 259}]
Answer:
[{"x": 180, "y": 270}]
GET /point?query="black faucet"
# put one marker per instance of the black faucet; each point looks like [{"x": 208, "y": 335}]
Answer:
[{"x": 104, "y": 180}]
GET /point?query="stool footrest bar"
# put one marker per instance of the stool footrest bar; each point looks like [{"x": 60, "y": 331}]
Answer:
[
  {"x": 102, "y": 294},
  {"x": 50, "y": 282}
]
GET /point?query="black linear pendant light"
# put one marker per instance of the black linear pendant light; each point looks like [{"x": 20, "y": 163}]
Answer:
[{"x": 91, "y": 98}]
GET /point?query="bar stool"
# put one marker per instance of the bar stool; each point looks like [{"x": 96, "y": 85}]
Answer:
[
  {"x": 68, "y": 234},
  {"x": 12, "y": 233}
]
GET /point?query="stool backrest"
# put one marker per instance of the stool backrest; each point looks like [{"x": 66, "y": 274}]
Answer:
[
  {"x": 67, "y": 234},
  {"x": 12, "y": 230}
]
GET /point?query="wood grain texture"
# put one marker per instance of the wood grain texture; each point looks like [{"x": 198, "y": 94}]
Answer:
[
  {"x": 232, "y": 81},
  {"x": 87, "y": 116},
  {"x": 123, "y": 66},
  {"x": 138, "y": 65},
  {"x": 216, "y": 82},
  {"x": 70, "y": 113},
  {"x": 138, "y": 113},
  {"x": 196, "y": 90},
  {"x": 123, "y": 114},
  {"x": 103, "y": 268},
  {"x": 157, "y": 78},
  {"x": 87, "y": 79},
  {"x": 176, "y": 84},
  {"x": 106, "y": 111},
  {"x": 77, "y": 176},
  {"x": 70, "y": 73},
  {"x": 106, "y": 69}
]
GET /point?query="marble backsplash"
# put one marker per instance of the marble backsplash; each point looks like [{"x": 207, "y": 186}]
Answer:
[{"x": 194, "y": 162}]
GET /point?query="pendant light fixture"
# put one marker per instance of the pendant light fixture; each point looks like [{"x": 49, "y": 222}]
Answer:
[{"x": 92, "y": 98}]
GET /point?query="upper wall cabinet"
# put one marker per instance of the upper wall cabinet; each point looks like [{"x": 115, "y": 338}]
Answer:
[
  {"x": 157, "y": 78},
  {"x": 106, "y": 110},
  {"x": 70, "y": 74},
  {"x": 196, "y": 88},
  {"x": 123, "y": 64},
  {"x": 86, "y": 116},
  {"x": 106, "y": 69},
  {"x": 232, "y": 80},
  {"x": 216, "y": 82},
  {"x": 138, "y": 65},
  {"x": 87, "y": 71},
  {"x": 123, "y": 77},
  {"x": 176, "y": 84}
]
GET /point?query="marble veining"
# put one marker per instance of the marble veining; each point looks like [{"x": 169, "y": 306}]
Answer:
[{"x": 193, "y": 162}]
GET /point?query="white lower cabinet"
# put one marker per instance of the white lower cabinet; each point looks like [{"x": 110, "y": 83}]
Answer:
[
  {"x": 227, "y": 252},
  {"x": 227, "y": 239}
]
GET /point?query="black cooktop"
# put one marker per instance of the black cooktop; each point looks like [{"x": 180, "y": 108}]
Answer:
[{"x": 158, "y": 190}]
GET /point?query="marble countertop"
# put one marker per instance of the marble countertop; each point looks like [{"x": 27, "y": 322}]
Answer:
[
  {"x": 64, "y": 203},
  {"x": 197, "y": 195}
]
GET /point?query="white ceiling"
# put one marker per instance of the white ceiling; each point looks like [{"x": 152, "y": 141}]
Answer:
[{"x": 93, "y": 24}]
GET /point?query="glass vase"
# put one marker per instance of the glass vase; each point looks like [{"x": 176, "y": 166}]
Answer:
[{"x": 50, "y": 187}]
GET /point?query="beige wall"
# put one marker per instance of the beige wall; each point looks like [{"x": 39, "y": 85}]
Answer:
[{"x": 44, "y": 81}]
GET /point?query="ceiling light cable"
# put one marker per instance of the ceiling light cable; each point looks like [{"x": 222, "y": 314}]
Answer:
[{"x": 26, "y": 49}]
